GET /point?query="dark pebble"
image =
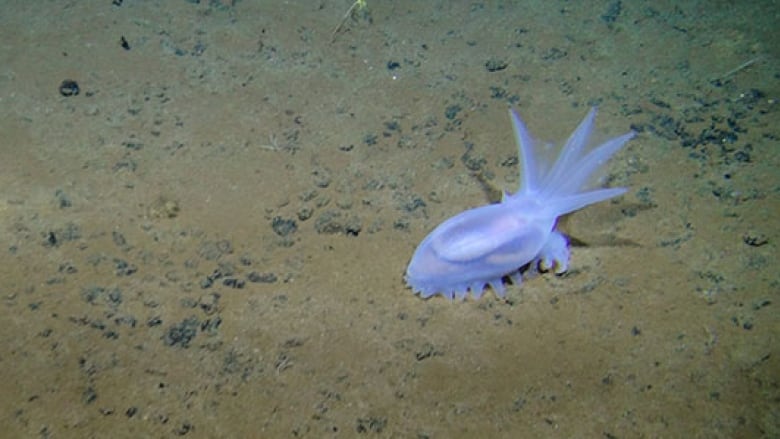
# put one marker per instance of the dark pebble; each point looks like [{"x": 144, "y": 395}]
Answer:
[
  {"x": 62, "y": 199},
  {"x": 124, "y": 268},
  {"x": 742, "y": 156},
  {"x": 126, "y": 320},
  {"x": 232, "y": 282},
  {"x": 392, "y": 125},
  {"x": 755, "y": 239},
  {"x": 613, "y": 12},
  {"x": 283, "y": 227},
  {"x": 209, "y": 303},
  {"x": 497, "y": 92},
  {"x": 118, "y": 238},
  {"x": 94, "y": 295},
  {"x": 70, "y": 232},
  {"x": 69, "y": 87},
  {"x": 89, "y": 396},
  {"x": 182, "y": 333},
  {"x": 373, "y": 425},
  {"x": 305, "y": 213},
  {"x": 211, "y": 325},
  {"x": 452, "y": 111},
  {"x": 222, "y": 271},
  {"x": 184, "y": 429},
  {"x": 496, "y": 65},
  {"x": 370, "y": 139},
  {"x": 472, "y": 162},
  {"x": 413, "y": 203},
  {"x": 332, "y": 222},
  {"x": 67, "y": 268},
  {"x": 266, "y": 278}
]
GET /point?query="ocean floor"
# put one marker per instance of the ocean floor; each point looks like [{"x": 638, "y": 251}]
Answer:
[{"x": 207, "y": 207}]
